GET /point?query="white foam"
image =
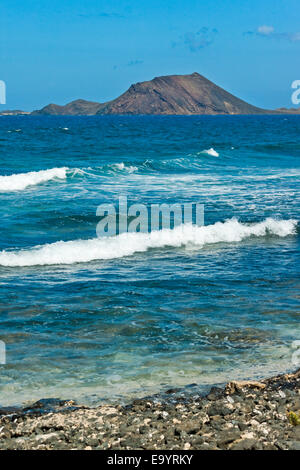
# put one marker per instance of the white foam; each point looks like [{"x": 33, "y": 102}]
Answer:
[
  {"x": 121, "y": 166},
  {"x": 211, "y": 152},
  {"x": 126, "y": 244},
  {"x": 21, "y": 181}
]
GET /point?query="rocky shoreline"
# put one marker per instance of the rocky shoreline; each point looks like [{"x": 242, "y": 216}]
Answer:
[{"x": 241, "y": 416}]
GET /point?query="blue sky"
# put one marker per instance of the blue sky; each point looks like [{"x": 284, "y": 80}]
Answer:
[{"x": 57, "y": 51}]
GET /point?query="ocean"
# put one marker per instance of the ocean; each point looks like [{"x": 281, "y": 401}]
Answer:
[{"x": 133, "y": 315}]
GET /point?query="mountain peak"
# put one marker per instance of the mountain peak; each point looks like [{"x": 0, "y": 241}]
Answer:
[
  {"x": 169, "y": 94},
  {"x": 177, "y": 94}
]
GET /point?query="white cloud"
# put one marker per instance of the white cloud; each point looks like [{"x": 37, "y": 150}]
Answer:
[
  {"x": 265, "y": 30},
  {"x": 269, "y": 32}
]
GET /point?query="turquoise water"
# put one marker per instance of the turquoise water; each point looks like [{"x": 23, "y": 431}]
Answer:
[{"x": 128, "y": 318}]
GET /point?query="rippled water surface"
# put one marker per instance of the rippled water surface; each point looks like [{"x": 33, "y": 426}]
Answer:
[{"x": 112, "y": 319}]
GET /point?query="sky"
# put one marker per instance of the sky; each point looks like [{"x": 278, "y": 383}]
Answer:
[{"x": 55, "y": 51}]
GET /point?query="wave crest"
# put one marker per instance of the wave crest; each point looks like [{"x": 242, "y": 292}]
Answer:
[
  {"x": 126, "y": 244},
  {"x": 20, "y": 181},
  {"x": 121, "y": 166},
  {"x": 212, "y": 152}
]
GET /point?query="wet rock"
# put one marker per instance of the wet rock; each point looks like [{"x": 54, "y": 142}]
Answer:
[
  {"x": 10, "y": 410},
  {"x": 220, "y": 409},
  {"x": 228, "y": 437},
  {"x": 233, "y": 387},
  {"x": 295, "y": 433},
  {"x": 244, "y": 444},
  {"x": 250, "y": 418},
  {"x": 294, "y": 445},
  {"x": 215, "y": 393}
]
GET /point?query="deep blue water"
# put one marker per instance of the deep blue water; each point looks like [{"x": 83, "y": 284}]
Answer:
[{"x": 166, "y": 316}]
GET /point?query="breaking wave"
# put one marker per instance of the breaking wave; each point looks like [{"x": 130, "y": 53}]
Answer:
[
  {"x": 126, "y": 244},
  {"x": 20, "y": 181},
  {"x": 121, "y": 166},
  {"x": 210, "y": 152}
]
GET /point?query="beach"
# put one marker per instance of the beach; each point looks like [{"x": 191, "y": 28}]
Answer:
[{"x": 248, "y": 415}]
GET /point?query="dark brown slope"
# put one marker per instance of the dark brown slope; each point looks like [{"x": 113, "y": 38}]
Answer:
[
  {"x": 178, "y": 94},
  {"x": 75, "y": 108},
  {"x": 172, "y": 94}
]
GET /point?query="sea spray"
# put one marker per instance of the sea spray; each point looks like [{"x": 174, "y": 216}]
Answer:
[
  {"x": 20, "y": 181},
  {"x": 126, "y": 244},
  {"x": 210, "y": 152}
]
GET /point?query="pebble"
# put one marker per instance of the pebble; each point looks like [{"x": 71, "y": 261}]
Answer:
[{"x": 239, "y": 417}]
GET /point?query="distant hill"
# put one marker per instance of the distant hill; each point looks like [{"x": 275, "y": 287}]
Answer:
[
  {"x": 13, "y": 112},
  {"x": 77, "y": 107},
  {"x": 287, "y": 111},
  {"x": 171, "y": 94}
]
